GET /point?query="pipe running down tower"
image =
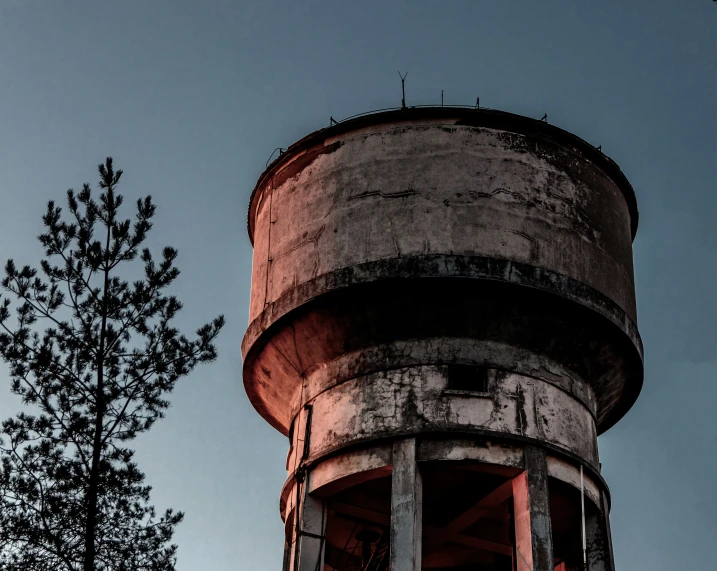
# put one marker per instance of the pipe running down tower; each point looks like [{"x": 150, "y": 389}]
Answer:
[{"x": 442, "y": 321}]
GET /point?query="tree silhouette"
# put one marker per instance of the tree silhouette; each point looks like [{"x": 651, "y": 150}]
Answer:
[{"x": 93, "y": 358}]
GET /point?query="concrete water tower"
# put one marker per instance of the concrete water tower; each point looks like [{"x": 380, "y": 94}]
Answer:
[{"x": 442, "y": 322}]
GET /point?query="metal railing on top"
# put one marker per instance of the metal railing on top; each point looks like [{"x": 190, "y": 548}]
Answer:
[{"x": 333, "y": 121}]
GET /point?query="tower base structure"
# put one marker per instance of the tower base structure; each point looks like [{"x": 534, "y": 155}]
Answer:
[{"x": 447, "y": 502}]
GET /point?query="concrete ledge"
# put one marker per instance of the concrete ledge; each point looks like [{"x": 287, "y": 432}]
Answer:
[{"x": 443, "y": 266}]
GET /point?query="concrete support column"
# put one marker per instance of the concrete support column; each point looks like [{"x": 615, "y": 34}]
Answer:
[
  {"x": 531, "y": 506},
  {"x": 599, "y": 542},
  {"x": 288, "y": 548},
  {"x": 406, "y": 508},
  {"x": 311, "y": 532}
]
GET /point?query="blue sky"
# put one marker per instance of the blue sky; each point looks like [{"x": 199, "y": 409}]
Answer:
[{"x": 190, "y": 98}]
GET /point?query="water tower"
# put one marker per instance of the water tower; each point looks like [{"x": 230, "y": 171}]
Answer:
[{"x": 442, "y": 322}]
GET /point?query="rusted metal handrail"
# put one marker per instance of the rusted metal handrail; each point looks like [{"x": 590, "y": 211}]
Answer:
[{"x": 375, "y": 111}]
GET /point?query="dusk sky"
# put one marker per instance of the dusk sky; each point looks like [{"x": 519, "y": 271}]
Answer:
[{"x": 191, "y": 98}]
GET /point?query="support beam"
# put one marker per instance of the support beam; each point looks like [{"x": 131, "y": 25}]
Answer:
[
  {"x": 608, "y": 533},
  {"x": 406, "y": 508},
  {"x": 366, "y": 515},
  {"x": 312, "y": 531},
  {"x": 474, "y": 513},
  {"x": 531, "y": 505},
  {"x": 363, "y": 515},
  {"x": 599, "y": 544},
  {"x": 288, "y": 548},
  {"x": 483, "y": 544}
]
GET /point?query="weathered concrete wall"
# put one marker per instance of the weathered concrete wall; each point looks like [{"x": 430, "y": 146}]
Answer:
[
  {"x": 393, "y": 191},
  {"x": 487, "y": 354},
  {"x": 415, "y": 400}
]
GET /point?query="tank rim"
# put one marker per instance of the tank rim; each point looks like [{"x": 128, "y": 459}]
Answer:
[{"x": 470, "y": 116}]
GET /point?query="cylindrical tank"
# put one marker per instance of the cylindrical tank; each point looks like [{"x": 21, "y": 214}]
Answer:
[{"x": 442, "y": 321}]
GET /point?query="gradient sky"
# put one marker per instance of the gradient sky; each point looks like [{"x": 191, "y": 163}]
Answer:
[{"x": 190, "y": 98}]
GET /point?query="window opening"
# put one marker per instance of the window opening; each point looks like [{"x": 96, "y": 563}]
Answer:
[{"x": 467, "y": 379}]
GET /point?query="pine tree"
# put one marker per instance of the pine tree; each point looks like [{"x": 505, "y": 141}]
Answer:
[{"x": 93, "y": 358}]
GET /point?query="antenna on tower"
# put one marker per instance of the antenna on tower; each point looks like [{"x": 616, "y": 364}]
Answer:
[
  {"x": 403, "y": 89},
  {"x": 441, "y": 98}
]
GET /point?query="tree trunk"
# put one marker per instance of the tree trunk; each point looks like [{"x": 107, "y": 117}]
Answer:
[{"x": 93, "y": 487}]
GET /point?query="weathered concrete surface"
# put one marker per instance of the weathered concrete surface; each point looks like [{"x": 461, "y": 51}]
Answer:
[
  {"x": 443, "y": 285},
  {"x": 476, "y": 450},
  {"x": 531, "y": 505},
  {"x": 570, "y": 474},
  {"x": 406, "y": 503},
  {"x": 351, "y": 468},
  {"x": 415, "y": 400},
  {"x": 599, "y": 542},
  {"x": 435, "y": 186}
]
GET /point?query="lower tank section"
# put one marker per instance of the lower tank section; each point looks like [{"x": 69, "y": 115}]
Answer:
[{"x": 543, "y": 362}]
